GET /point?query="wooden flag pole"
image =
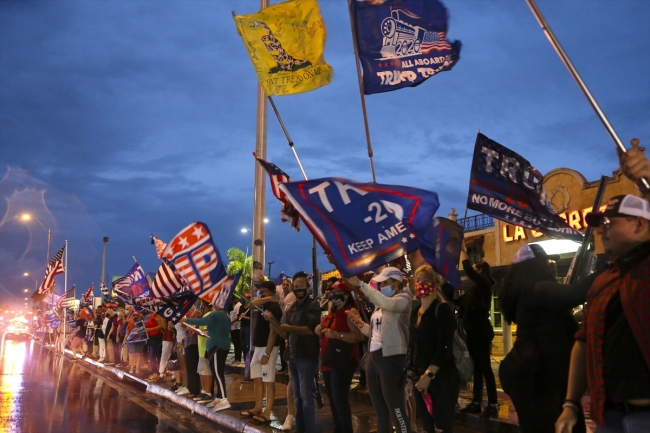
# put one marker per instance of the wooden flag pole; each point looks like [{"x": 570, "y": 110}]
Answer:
[
  {"x": 361, "y": 94},
  {"x": 574, "y": 72}
]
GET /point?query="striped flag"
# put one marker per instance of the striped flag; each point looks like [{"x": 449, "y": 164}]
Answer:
[
  {"x": 166, "y": 281},
  {"x": 160, "y": 246},
  {"x": 55, "y": 267},
  {"x": 278, "y": 177},
  {"x": 221, "y": 293},
  {"x": 104, "y": 289},
  {"x": 66, "y": 300},
  {"x": 87, "y": 298}
]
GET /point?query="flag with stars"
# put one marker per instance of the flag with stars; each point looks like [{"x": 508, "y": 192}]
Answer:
[
  {"x": 87, "y": 298},
  {"x": 66, "y": 300},
  {"x": 363, "y": 225},
  {"x": 160, "y": 246},
  {"x": 278, "y": 177},
  {"x": 105, "y": 291},
  {"x": 55, "y": 267},
  {"x": 196, "y": 258},
  {"x": 176, "y": 306}
]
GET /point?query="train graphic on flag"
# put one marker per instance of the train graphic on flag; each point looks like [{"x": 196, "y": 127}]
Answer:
[{"x": 402, "y": 39}]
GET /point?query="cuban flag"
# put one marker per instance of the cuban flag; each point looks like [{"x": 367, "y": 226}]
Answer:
[
  {"x": 134, "y": 283},
  {"x": 366, "y": 225},
  {"x": 278, "y": 177}
]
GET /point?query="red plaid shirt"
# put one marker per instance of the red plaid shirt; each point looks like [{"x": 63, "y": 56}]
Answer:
[{"x": 631, "y": 277}]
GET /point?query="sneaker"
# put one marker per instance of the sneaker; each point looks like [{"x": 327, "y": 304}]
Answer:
[
  {"x": 182, "y": 390},
  {"x": 289, "y": 422},
  {"x": 213, "y": 403},
  {"x": 175, "y": 387},
  {"x": 473, "y": 407},
  {"x": 206, "y": 399},
  {"x": 491, "y": 411},
  {"x": 223, "y": 404},
  {"x": 201, "y": 396},
  {"x": 108, "y": 363}
]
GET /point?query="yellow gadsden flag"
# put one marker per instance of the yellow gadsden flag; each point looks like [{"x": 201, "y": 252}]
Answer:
[{"x": 286, "y": 42}]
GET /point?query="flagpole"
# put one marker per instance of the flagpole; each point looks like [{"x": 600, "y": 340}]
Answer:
[
  {"x": 361, "y": 94},
  {"x": 65, "y": 284},
  {"x": 286, "y": 134},
  {"x": 576, "y": 76}
]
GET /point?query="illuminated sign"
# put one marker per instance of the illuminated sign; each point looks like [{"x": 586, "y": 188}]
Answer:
[{"x": 575, "y": 219}]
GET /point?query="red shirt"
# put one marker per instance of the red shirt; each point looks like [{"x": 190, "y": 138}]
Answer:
[
  {"x": 630, "y": 276},
  {"x": 339, "y": 324}
]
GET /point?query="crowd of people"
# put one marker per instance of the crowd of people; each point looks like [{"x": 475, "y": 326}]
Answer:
[{"x": 399, "y": 329}]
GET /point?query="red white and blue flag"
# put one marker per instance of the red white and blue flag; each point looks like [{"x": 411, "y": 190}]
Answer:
[
  {"x": 55, "y": 267},
  {"x": 160, "y": 246},
  {"x": 66, "y": 300},
  {"x": 196, "y": 258},
  {"x": 166, "y": 281},
  {"x": 87, "y": 298},
  {"x": 134, "y": 283},
  {"x": 221, "y": 294},
  {"x": 278, "y": 177}
]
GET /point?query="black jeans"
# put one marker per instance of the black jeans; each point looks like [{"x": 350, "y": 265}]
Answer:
[
  {"x": 337, "y": 384},
  {"x": 191, "y": 366},
  {"x": 386, "y": 380},
  {"x": 236, "y": 343},
  {"x": 478, "y": 345},
  {"x": 443, "y": 390},
  {"x": 220, "y": 355},
  {"x": 245, "y": 338}
]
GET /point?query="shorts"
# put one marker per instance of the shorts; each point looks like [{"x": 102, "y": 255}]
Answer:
[
  {"x": 77, "y": 342},
  {"x": 267, "y": 371},
  {"x": 204, "y": 367},
  {"x": 135, "y": 348}
]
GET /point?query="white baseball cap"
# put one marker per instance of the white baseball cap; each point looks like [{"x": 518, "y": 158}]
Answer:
[
  {"x": 621, "y": 205},
  {"x": 386, "y": 273},
  {"x": 533, "y": 251}
]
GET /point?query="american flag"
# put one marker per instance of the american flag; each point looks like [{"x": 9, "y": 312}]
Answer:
[
  {"x": 221, "y": 293},
  {"x": 87, "y": 298},
  {"x": 166, "y": 281},
  {"x": 434, "y": 41},
  {"x": 160, "y": 246},
  {"x": 196, "y": 258},
  {"x": 288, "y": 212},
  {"x": 66, "y": 300},
  {"x": 55, "y": 267}
]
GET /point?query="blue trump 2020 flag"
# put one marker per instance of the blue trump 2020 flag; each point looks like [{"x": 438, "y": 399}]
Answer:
[
  {"x": 505, "y": 186},
  {"x": 365, "y": 225},
  {"x": 401, "y": 43},
  {"x": 134, "y": 283}
]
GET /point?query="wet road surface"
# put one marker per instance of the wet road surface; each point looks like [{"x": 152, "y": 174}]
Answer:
[{"x": 40, "y": 392}]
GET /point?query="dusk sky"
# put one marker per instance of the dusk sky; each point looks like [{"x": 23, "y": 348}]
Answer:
[{"x": 131, "y": 118}]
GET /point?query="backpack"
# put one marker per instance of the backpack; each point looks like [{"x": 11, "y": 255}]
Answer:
[{"x": 464, "y": 362}]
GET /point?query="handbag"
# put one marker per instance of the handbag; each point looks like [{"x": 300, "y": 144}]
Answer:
[{"x": 337, "y": 353}]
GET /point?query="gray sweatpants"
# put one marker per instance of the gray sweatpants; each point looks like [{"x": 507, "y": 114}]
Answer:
[{"x": 386, "y": 380}]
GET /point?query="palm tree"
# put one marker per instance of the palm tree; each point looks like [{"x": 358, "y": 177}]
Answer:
[{"x": 239, "y": 262}]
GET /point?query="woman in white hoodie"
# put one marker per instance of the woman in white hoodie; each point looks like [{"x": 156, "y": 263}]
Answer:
[{"x": 385, "y": 361}]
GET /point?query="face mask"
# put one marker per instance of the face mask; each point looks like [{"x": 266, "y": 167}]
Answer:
[
  {"x": 259, "y": 293},
  {"x": 119, "y": 314},
  {"x": 338, "y": 300},
  {"x": 387, "y": 291},
  {"x": 300, "y": 293},
  {"x": 423, "y": 289}
]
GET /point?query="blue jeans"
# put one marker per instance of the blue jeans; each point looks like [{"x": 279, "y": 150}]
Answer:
[
  {"x": 618, "y": 422},
  {"x": 302, "y": 382},
  {"x": 337, "y": 384}
]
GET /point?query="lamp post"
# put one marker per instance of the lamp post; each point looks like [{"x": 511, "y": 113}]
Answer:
[
  {"x": 270, "y": 263},
  {"x": 27, "y": 217},
  {"x": 104, "y": 259}
]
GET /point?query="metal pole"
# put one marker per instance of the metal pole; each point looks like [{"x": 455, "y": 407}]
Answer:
[
  {"x": 270, "y": 264},
  {"x": 363, "y": 98},
  {"x": 286, "y": 134},
  {"x": 65, "y": 285},
  {"x": 49, "y": 238},
  {"x": 104, "y": 260},
  {"x": 567, "y": 62}
]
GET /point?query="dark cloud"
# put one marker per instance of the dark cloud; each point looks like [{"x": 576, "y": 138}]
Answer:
[{"x": 132, "y": 118}]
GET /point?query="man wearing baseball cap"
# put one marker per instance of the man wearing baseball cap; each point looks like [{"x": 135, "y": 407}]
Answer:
[{"x": 612, "y": 351}]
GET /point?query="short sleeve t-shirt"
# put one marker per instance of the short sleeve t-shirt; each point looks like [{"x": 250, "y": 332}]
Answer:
[
  {"x": 263, "y": 326},
  {"x": 80, "y": 330},
  {"x": 376, "y": 341}
]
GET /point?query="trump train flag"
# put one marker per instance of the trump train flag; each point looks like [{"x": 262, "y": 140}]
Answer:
[
  {"x": 285, "y": 42},
  {"x": 365, "y": 225},
  {"x": 505, "y": 186},
  {"x": 402, "y": 43},
  {"x": 134, "y": 283}
]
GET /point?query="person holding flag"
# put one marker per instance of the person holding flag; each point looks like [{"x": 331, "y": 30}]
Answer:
[{"x": 135, "y": 345}]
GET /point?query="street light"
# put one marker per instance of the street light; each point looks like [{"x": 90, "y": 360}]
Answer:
[
  {"x": 28, "y": 217},
  {"x": 246, "y": 229}
]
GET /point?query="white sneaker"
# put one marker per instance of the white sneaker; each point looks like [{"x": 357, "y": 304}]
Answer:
[
  {"x": 289, "y": 423},
  {"x": 213, "y": 403},
  {"x": 223, "y": 404},
  {"x": 182, "y": 391}
]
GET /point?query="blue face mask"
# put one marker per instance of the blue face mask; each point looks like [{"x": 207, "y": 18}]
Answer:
[{"x": 387, "y": 291}]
